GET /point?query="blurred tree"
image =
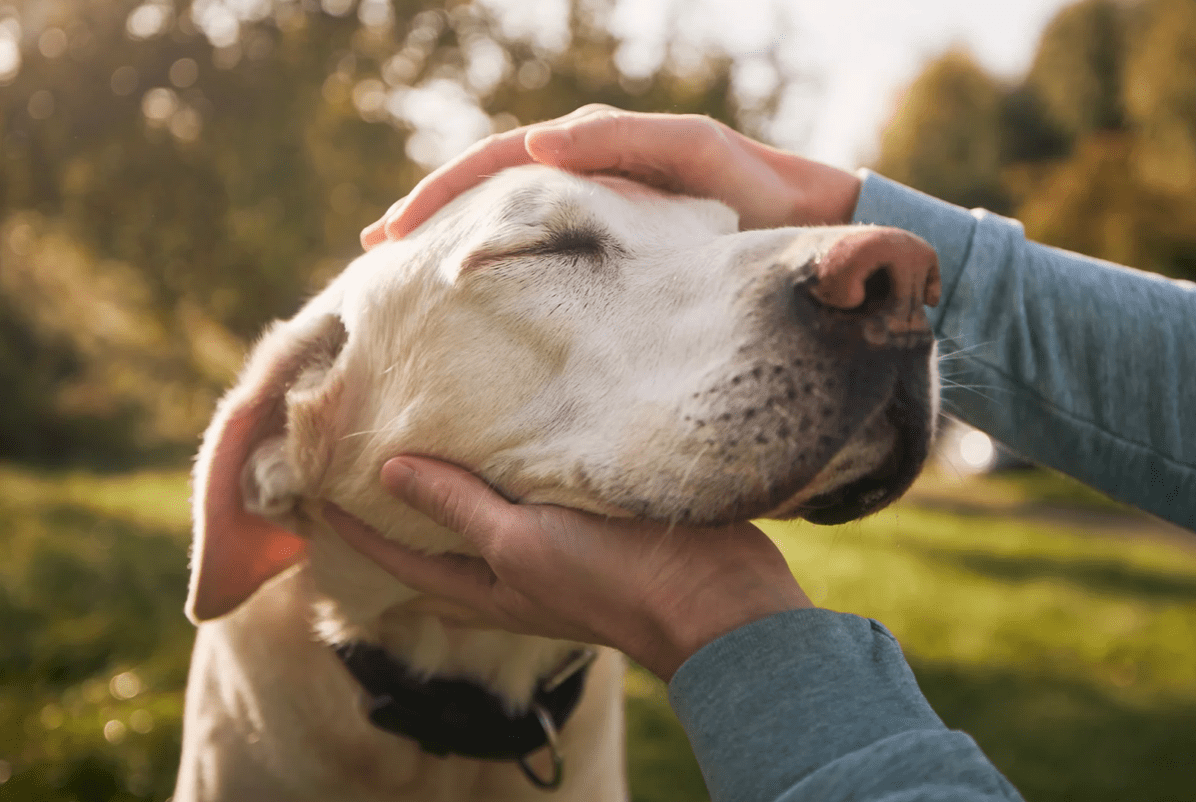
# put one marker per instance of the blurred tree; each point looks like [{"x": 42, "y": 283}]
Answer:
[
  {"x": 1078, "y": 68},
  {"x": 945, "y": 137},
  {"x": 1160, "y": 95},
  {"x": 1094, "y": 150},
  {"x": 225, "y": 155},
  {"x": 1028, "y": 133},
  {"x": 1091, "y": 204}
]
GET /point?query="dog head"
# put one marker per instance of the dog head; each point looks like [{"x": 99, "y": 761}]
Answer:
[{"x": 586, "y": 342}]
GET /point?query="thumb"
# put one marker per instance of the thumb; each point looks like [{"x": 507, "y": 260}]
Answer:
[
  {"x": 450, "y": 496},
  {"x": 452, "y": 576}
]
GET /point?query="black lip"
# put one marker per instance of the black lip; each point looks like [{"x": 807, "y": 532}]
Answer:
[{"x": 873, "y": 492}]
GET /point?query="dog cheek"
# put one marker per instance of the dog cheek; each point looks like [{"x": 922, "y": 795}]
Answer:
[{"x": 312, "y": 432}]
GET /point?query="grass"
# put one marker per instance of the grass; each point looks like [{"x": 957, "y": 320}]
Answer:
[
  {"x": 93, "y": 574},
  {"x": 1057, "y": 629},
  {"x": 1067, "y": 651}
]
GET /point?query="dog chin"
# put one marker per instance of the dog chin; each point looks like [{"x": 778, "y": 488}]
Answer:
[
  {"x": 854, "y": 494},
  {"x": 873, "y": 469}
]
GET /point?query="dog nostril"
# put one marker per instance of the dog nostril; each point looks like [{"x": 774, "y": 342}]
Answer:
[{"x": 878, "y": 293}]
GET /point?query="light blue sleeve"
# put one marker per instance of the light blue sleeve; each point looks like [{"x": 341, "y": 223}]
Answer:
[
  {"x": 1075, "y": 363},
  {"x": 821, "y": 706}
]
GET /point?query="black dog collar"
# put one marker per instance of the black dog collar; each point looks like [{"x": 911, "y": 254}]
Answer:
[{"x": 460, "y": 716}]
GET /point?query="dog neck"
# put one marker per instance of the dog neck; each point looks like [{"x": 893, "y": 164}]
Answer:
[{"x": 352, "y": 599}]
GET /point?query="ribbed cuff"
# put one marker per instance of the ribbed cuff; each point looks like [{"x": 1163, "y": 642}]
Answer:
[{"x": 822, "y": 683}]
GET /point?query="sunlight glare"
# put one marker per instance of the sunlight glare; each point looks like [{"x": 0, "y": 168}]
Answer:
[{"x": 977, "y": 451}]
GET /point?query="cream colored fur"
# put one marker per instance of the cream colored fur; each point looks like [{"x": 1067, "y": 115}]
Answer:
[{"x": 578, "y": 342}]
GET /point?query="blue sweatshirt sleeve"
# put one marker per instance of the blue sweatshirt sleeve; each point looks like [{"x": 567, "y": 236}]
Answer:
[
  {"x": 818, "y": 705},
  {"x": 1076, "y": 363}
]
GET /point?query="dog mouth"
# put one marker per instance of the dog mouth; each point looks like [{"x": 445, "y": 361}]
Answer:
[
  {"x": 798, "y": 457},
  {"x": 909, "y": 420}
]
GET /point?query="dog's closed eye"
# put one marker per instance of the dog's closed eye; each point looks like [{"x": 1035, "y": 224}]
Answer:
[
  {"x": 575, "y": 242},
  {"x": 578, "y": 242}
]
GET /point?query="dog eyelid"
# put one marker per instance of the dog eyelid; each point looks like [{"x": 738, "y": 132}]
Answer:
[
  {"x": 578, "y": 241},
  {"x": 586, "y": 242}
]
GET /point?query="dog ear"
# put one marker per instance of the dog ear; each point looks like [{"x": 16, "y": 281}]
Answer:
[{"x": 247, "y": 467}]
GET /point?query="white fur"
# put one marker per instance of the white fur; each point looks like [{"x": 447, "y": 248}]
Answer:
[{"x": 603, "y": 379}]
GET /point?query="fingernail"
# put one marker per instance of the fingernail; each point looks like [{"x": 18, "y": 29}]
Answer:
[
  {"x": 397, "y": 475},
  {"x": 554, "y": 141}
]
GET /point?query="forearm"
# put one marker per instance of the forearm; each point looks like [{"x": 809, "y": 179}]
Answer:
[
  {"x": 822, "y": 706},
  {"x": 1075, "y": 363}
]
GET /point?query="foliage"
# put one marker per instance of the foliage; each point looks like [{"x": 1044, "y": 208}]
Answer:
[
  {"x": 1094, "y": 150},
  {"x": 1078, "y": 68},
  {"x": 95, "y": 645},
  {"x": 200, "y": 167},
  {"x": 1062, "y": 638},
  {"x": 945, "y": 138}
]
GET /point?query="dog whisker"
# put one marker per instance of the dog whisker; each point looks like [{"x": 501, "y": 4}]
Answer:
[
  {"x": 762, "y": 473},
  {"x": 963, "y": 351},
  {"x": 974, "y": 388},
  {"x": 686, "y": 478},
  {"x": 362, "y": 433}
]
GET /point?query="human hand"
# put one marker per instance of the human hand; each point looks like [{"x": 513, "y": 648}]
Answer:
[
  {"x": 687, "y": 154},
  {"x": 656, "y": 592}
]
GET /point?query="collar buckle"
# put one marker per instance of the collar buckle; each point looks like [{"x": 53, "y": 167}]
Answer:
[
  {"x": 573, "y": 663},
  {"x": 558, "y": 763}
]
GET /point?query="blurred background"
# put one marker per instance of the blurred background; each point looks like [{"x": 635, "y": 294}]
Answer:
[{"x": 175, "y": 174}]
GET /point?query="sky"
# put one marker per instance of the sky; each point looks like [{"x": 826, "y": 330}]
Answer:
[{"x": 857, "y": 54}]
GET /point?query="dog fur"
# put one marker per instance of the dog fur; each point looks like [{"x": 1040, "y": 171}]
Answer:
[{"x": 584, "y": 342}]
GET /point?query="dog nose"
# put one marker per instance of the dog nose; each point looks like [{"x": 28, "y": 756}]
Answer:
[{"x": 882, "y": 277}]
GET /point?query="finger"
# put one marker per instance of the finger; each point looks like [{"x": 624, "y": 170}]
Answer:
[
  {"x": 463, "y": 579},
  {"x": 640, "y": 144},
  {"x": 375, "y": 233},
  {"x": 452, "y": 497},
  {"x": 468, "y": 170}
]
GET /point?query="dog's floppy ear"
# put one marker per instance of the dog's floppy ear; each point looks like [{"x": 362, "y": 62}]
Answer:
[{"x": 248, "y": 463}]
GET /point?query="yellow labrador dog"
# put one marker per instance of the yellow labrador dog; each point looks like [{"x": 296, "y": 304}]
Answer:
[{"x": 584, "y": 342}]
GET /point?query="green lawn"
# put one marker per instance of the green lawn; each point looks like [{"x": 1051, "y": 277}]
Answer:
[{"x": 1055, "y": 628}]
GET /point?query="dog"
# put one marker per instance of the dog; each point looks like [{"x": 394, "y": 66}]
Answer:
[{"x": 582, "y": 341}]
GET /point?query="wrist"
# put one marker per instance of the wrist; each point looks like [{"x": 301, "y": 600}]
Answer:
[
  {"x": 832, "y": 193},
  {"x": 693, "y": 625},
  {"x": 843, "y": 195},
  {"x": 821, "y": 194}
]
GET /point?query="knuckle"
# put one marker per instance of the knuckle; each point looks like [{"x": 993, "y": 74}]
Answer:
[
  {"x": 593, "y": 108},
  {"x": 504, "y": 552},
  {"x": 483, "y": 145},
  {"x": 502, "y": 536},
  {"x": 709, "y": 135},
  {"x": 603, "y": 115},
  {"x": 446, "y": 506}
]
